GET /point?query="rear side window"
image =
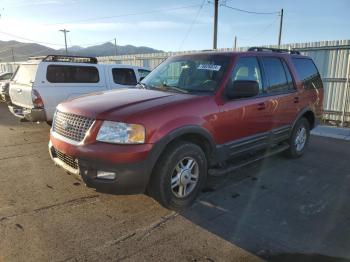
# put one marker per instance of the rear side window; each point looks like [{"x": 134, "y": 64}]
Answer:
[
  {"x": 124, "y": 76},
  {"x": 276, "y": 75},
  {"x": 72, "y": 74},
  {"x": 143, "y": 73},
  {"x": 308, "y": 73}
]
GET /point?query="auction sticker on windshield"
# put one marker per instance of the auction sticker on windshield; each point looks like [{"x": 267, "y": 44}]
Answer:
[{"x": 209, "y": 67}]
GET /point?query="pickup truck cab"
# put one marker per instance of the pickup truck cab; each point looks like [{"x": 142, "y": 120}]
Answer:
[
  {"x": 39, "y": 86},
  {"x": 194, "y": 115}
]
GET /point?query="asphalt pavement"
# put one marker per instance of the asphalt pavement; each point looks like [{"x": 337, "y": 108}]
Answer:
[{"x": 276, "y": 209}]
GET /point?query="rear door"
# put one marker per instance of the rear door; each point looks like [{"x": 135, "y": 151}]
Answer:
[
  {"x": 22, "y": 84},
  {"x": 282, "y": 94}
]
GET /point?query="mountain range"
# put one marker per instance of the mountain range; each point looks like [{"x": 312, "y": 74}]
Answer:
[{"x": 21, "y": 51}]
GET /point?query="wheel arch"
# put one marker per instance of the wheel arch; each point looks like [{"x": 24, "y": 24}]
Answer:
[{"x": 309, "y": 114}]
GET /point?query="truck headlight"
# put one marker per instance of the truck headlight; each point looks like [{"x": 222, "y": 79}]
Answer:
[{"x": 121, "y": 133}]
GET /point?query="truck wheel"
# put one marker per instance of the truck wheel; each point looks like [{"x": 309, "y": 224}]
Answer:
[
  {"x": 299, "y": 139},
  {"x": 179, "y": 176}
]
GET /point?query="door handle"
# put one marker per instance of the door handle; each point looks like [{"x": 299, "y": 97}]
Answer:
[
  {"x": 261, "y": 106},
  {"x": 296, "y": 99},
  {"x": 19, "y": 90}
]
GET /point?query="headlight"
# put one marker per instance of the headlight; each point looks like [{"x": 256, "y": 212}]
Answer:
[{"x": 121, "y": 133}]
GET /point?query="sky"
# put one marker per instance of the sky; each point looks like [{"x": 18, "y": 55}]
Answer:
[{"x": 172, "y": 25}]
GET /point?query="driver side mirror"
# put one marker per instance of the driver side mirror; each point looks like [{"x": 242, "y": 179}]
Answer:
[{"x": 242, "y": 89}]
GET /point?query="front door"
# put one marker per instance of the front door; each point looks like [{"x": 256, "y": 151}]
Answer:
[{"x": 246, "y": 121}]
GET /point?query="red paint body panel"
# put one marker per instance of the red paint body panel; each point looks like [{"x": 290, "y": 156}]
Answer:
[{"x": 163, "y": 112}]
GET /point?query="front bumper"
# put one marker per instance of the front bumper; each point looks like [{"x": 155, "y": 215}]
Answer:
[
  {"x": 131, "y": 177},
  {"x": 30, "y": 114}
]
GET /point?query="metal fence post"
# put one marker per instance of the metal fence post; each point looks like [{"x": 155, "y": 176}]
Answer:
[{"x": 346, "y": 91}]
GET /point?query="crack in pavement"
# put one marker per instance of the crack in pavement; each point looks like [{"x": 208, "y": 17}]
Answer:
[
  {"x": 144, "y": 231},
  {"x": 37, "y": 210},
  {"x": 14, "y": 157},
  {"x": 23, "y": 144}
]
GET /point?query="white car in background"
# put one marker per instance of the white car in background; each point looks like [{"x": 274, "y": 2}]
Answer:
[{"x": 39, "y": 86}]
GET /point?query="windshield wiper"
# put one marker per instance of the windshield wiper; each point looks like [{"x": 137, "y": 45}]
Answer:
[{"x": 174, "y": 88}]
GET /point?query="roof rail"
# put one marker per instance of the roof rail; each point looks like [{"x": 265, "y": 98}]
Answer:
[
  {"x": 277, "y": 50},
  {"x": 36, "y": 58},
  {"x": 70, "y": 58}
]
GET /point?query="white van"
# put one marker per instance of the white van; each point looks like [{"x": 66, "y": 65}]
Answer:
[{"x": 39, "y": 86}]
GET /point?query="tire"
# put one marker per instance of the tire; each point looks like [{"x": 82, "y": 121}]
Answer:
[
  {"x": 298, "y": 140},
  {"x": 49, "y": 123},
  {"x": 175, "y": 166}
]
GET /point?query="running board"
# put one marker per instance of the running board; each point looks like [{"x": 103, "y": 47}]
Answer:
[{"x": 245, "y": 162}]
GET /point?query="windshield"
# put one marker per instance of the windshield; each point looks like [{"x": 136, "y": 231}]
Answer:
[
  {"x": 25, "y": 74},
  {"x": 192, "y": 74}
]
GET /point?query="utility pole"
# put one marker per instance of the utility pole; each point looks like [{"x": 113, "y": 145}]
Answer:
[
  {"x": 280, "y": 31},
  {"x": 13, "y": 56},
  {"x": 215, "y": 36},
  {"x": 115, "y": 46},
  {"x": 235, "y": 44},
  {"x": 65, "y": 38}
]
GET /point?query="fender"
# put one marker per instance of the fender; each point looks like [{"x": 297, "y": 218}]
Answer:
[{"x": 160, "y": 146}]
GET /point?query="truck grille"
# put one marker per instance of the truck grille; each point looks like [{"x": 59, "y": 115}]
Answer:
[
  {"x": 71, "y": 126},
  {"x": 70, "y": 161}
]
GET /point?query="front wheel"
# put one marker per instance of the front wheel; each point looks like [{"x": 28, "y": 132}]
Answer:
[
  {"x": 299, "y": 138},
  {"x": 179, "y": 176}
]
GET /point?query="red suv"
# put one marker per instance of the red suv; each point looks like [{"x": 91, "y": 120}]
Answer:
[{"x": 196, "y": 114}]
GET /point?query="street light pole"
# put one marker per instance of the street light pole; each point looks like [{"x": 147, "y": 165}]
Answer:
[{"x": 65, "y": 38}]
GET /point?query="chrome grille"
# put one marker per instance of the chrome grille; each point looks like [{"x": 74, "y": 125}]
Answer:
[
  {"x": 71, "y": 126},
  {"x": 70, "y": 161}
]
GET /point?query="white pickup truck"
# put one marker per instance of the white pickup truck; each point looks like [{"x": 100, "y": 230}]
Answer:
[{"x": 39, "y": 86}]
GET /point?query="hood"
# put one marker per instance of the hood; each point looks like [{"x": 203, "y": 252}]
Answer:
[{"x": 103, "y": 104}]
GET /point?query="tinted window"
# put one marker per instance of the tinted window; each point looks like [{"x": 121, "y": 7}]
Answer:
[
  {"x": 247, "y": 68},
  {"x": 124, "y": 76},
  {"x": 289, "y": 76},
  {"x": 143, "y": 73},
  {"x": 276, "y": 75},
  {"x": 72, "y": 74},
  {"x": 6, "y": 76},
  {"x": 307, "y": 73}
]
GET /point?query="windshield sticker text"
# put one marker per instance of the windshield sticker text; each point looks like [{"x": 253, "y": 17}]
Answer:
[{"x": 209, "y": 67}]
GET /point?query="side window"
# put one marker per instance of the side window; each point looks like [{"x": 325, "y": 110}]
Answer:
[
  {"x": 247, "y": 68},
  {"x": 72, "y": 74},
  {"x": 6, "y": 76},
  {"x": 276, "y": 75},
  {"x": 289, "y": 75},
  {"x": 307, "y": 73},
  {"x": 143, "y": 73},
  {"x": 124, "y": 76}
]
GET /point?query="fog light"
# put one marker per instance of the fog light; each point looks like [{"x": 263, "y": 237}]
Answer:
[{"x": 106, "y": 175}]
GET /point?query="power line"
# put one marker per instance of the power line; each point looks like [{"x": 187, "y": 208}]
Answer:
[
  {"x": 248, "y": 11},
  {"x": 192, "y": 24},
  {"x": 260, "y": 32},
  {"x": 124, "y": 15},
  {"x": 27, "y": 39}
]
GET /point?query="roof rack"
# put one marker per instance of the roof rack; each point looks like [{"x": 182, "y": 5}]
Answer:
[
  {"x": 278, "y": 50},
  {"x": 70, "y": 58}
]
